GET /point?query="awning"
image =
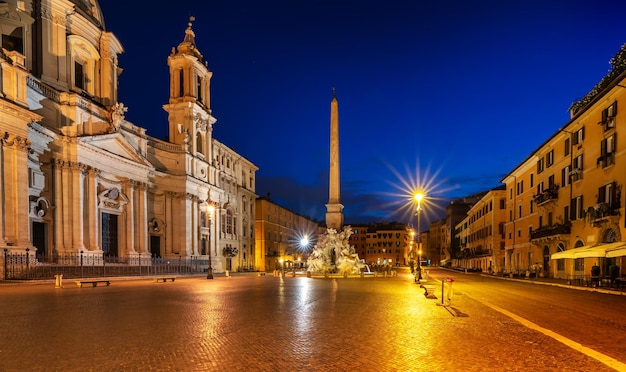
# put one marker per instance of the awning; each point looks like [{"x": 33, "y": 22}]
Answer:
[
  {"x": 598, "y": 250},
  {"x": 569, "y": 253},
  {"x": 617, "y": 251}
]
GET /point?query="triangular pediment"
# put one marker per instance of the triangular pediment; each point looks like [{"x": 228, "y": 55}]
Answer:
[{"x": 117, "y": 145}]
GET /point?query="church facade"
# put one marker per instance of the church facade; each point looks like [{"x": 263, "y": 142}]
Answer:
[{"x": 77, "y": 178}]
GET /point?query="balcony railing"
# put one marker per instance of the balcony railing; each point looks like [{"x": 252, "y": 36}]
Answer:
[
  {"x": 556, "y": 229},
  {"x": 547, "y": 195},
  {"x": 602, "y": 211},
  {"x": 606, "y": 159}
]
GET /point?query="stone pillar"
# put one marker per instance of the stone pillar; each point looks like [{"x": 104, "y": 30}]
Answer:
[
  {"x": 15, "y": 200},
  {"x": 168, "y": 224},
  {"x": 131, "y": 210},
  {"x": 93, "y": 214},
  {"x": 59, "y": 229},
  {"x": 77, "y": 221},
  {"x": 53, "y": 33},
  {"x": 142, "y": 219}
]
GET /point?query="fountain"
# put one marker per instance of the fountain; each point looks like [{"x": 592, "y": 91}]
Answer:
[{"x": 333, "y": 254}]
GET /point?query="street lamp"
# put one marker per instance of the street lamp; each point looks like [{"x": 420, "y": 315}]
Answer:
[
  {"x": 418, "y": 198},
  {"x": 210, "y": 209}
]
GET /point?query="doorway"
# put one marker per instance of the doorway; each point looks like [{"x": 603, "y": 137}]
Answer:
[
  {"x": 39, "y": 239},
  {"x": 109, "y": 234},
  {"x": 155, "y": 246}
]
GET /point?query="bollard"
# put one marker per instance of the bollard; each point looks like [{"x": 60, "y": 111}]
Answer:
[
  {"x": 227, "y": 273},
  {"x": 449, "y": 281},
  {"x": 58, "y": 283}
]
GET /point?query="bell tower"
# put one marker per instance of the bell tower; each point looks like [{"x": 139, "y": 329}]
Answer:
[{"x": 189, "y": 108}]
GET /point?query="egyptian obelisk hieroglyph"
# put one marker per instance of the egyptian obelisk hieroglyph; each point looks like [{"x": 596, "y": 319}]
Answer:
[{"x": 334, "y": 209}]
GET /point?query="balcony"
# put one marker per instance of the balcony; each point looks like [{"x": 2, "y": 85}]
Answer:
[
  {"x": 606, "y": 159},
  {"x": 550, "y": 231},
  {"x": 602, "y": 213},
  {"x": 547, "y": 195}
]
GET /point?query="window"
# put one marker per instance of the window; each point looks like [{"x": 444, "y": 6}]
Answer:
[
  {"x": 566, "y": 213},
  {"x": 519, "y": 215},
  {"x": 576, "y": 208},
  {"x": 579, "y": 264},
  {"x": 551, "y": 182},
  {"x": 578, "y": 136},
  {"x": 550, "y": 158},
  {"x": 530, "y": 206},
  {"x": 79, "y": 75},
  {"x": 565, "y": 173},
  {"x": 540, "y": 165},
  {"x": 181, "y": 83},
  {"x": 567, "y": 146},
  {"x": 539, "y": 188},
  {"x": 577, "y": 172},
  {"x": 199, "y": 142},
  {"x": 607, "y": 151},
  {"x": 606, "y": 194},
  {"x": 532, "y": 180},
  {"x": 84, "y": 63},
  {"x": 520, "y": 187},
  {"x": 608, "y": 116},
  {"x": 199, "y": 88}
]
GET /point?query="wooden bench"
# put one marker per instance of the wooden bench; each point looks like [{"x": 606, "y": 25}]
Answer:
[
  {"x": 164, "y": 278},
  {"x": 94, "y": 283}
]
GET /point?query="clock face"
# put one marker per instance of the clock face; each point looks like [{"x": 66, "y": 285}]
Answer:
[{"x": 114, "y": 193}]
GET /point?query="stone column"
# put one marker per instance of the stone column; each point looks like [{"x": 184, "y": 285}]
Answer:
[
  {"x": 93, "y": 214},
  {"x": 15, "y": 200},
  {"x": 78, "y": 204},
  {"x": 59, "y": 220},
  {"x": 169, "y": 224},
  {"x": 131, "y": 218}
]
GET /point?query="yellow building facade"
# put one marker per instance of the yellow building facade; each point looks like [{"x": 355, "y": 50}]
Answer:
[
  {"x": 565, "y": 213},
  {"x": 481, "y": 233},
  {"x": 279, "y": 235}
]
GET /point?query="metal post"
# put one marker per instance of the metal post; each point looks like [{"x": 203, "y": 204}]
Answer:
[
  {"x": 81, "y": 264},
  {"x": 5, "y": 263},
  {"x": 27, "y": 259},
  {"x": 419, "y": 242}
]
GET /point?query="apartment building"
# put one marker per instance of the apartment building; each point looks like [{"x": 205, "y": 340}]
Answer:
[
  {"x": 437, "y": 241},
  {"x": 564, "y": 209},
  {"x": 283, "y": 239},
  {"x": 388, "y": 243},
  {"x": 481, "y": 233},
  {"x": 358, "y": 240}
]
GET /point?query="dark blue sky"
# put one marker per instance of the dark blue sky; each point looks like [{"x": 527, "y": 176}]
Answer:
[{"x": 450, "y": 93}]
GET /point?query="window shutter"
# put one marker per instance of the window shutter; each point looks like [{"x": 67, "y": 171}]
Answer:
[{"x": 601, "y": 194}]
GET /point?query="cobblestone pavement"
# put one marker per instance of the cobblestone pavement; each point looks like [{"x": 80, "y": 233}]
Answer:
[{"x": 265, "y": 323}]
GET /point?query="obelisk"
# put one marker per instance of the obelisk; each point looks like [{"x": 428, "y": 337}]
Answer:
[{"x": 334, "y": 209}]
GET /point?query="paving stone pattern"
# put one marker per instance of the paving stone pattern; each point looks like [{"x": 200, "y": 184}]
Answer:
[{"x": 265, "y": 323}]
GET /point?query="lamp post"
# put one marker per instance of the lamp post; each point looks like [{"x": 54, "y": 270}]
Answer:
[
  {"x": 210, "y": 209},
  {"x": 418, "y": 198}
]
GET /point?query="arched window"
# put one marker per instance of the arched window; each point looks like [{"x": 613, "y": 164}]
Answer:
[
  {"x": 609, "y": 236},
  {"x": 85, "y": 61}
]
